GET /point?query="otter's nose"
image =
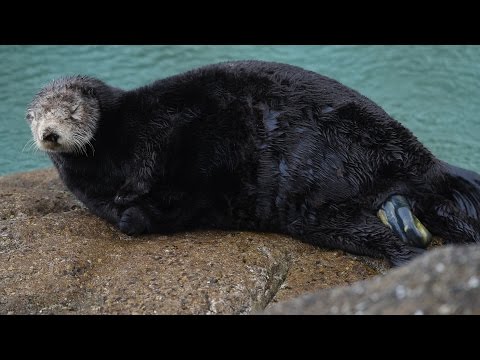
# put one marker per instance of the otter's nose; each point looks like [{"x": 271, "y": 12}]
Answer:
[{"x": 50, "y": 136}]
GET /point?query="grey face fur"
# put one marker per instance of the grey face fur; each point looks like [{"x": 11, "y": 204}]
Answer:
[{"x": 68, "y": 109}]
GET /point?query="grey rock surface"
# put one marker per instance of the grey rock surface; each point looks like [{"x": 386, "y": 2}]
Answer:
[{"x": 443, "y": 281}]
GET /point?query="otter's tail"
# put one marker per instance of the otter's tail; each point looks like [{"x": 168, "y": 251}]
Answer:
[{"x": 465, "y": 189}]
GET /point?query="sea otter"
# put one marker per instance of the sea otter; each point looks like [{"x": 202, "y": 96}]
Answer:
[{"x": 252, "y": 145}]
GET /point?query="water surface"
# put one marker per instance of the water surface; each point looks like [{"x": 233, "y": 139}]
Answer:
[{"x": 433, "y": 90}]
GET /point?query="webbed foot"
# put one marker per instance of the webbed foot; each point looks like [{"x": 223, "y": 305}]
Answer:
[{"x": 396, "y": 213}]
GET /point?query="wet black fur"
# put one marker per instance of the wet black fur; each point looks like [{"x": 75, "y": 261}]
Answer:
[{"x": 267, "y": 147}]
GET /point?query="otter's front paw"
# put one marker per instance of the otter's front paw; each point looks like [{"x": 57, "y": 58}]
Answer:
[
  {"x": 133, "y": 222},
  {"x": 130, "y": 192}
]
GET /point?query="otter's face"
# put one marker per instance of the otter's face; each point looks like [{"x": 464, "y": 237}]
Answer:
[{"x": 63, "y": 119}]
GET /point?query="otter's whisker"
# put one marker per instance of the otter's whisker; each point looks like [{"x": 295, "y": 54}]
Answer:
[
  {"x": 24, "y": 147},
  {"x": 91, "y": 147},
  {"x": 28, "y": 146},
  {"x": 79, "y": 147},
  {"x": 84, "y": 150}
]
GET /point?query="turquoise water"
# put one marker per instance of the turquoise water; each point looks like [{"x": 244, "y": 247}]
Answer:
[{"x": 433, "y": 90}]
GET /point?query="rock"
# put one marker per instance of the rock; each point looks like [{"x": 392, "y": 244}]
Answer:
[
  {"x": 57, "y": 258},
  {"x": 443, "y": 281}
]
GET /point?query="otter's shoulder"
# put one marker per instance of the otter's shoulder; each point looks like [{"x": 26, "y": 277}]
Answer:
[
  {"x": 251, "y": 67},
  {"x": 252, "y": 76},
  {"x": 288, "y": 77}
]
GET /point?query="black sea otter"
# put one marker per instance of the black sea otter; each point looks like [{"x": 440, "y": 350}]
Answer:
[{"x": 253, "y": 145}]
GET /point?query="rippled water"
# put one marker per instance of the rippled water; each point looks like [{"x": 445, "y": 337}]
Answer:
[{"x": 433, "y": 90}]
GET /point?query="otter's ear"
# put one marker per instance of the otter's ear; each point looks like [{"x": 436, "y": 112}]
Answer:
[{"x": 30, "y": 116}]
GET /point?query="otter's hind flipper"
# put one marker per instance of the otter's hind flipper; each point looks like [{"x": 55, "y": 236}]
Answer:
[
  {"x": 359, "y": 233},
  {"x": 396, "y": 213}
]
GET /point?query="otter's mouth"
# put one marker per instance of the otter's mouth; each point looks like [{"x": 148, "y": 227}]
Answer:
[
  {"x": 52, "y": 141},
  {"x": 397, "y": 215},
  {"x": 50, "y": 147}
]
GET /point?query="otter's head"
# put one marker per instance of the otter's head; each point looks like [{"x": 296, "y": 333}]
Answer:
[{"x": 64, "y": 115}]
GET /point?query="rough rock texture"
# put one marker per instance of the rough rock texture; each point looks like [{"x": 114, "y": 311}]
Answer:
[
  {"x": 56, "y": 258},
  {"x": 444, "y": 281}
]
